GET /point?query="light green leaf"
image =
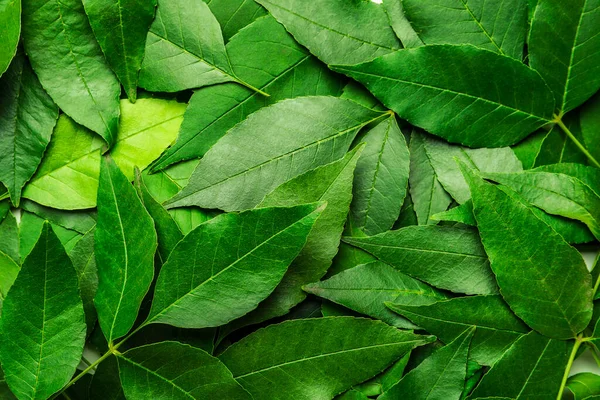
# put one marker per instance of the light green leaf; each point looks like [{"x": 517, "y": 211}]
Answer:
[
  {"x": 450, "y": 258},
  {"x": 316, "y": 358},
  {"x": 9, "y": 270},
  {"x": 10, "y": 20},
  {"x": 583, "y": 385},
  {"x": 125, "y": 243},
  {"x": 532, "y": 282},
  {"x": 121, "y": 27},
  {"x": 428, "y": 87},
  {"x": 78, "y": 221},
  {"x": 400, "y": 24},
  {"x": 270, "y": 147},
  {"x": 30, "y": 228},
  {"x": 171, "y": 370},
  {"x": 211, "y": 276},
  {"x": 70, "y": 65},
  {"x": 43, "y": 327},
  {"x": 233, "y": 15}
]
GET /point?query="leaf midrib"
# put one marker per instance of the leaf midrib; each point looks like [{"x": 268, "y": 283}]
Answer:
[
  {"x": 359, "y": 242},
  {"x": 186, "y": 393}
]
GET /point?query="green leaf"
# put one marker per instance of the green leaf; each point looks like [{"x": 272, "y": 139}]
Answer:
[
  {"x": 588, "y": 175},
  {"x": 125, "y": 246},
  {"x": 106, "y": 383},
  {"x": 30, "y": 228},
  {"x": 381, "y": 179},
  {"x": 450, "y": 258},
  {"x": 9, "y": 237},
  {"x": 121, "y": 27},
  {"x": 176, "y": 371},
  {"x": 583, "y": 385},
  {"x": 184, "y": 49},
  {"x": 4, "y": 389},
  {"x": 70, "y": 65},
  {"x": 367, "y": 287},
  {"x": 43, "y": 327},
  {"x": 316, "y": 358},
  {"x": 233, "y": 15},
  {"x": 348, "y": 257},
  {"x": 532, "y": 368},
  {"x": 266, "y": 150},
  {"x": 440, "y": 376},
  {"x": 352, "y": 394},
  {"x": 426, "y": 191},
  {"x": 68, "y": 175},
  {"x": 10, "y": 20},
  {"x": 216, "y": 109},
  {"x": 359, "y": 94},
  {"x": 78, "y": 221},
  {"x": 428, "y": 87},
  {"x": 211, "y": 276},
  {"x": 331, "y": 183},
  {"x": 9, "y": 270},
  {"x": 497, "y": 327},
  {"x": 532, "y": 282},
  {"x": 386, "y": 379},
  {"x": 590, "y": 125},
  {"x": 337, "y": 31},
  {"x": 564, "y": 44},
  {"x": 499, "y": 26},
  {"x": 400, "y": 24},
  {"x": 83, "y": 258},
  {"x": 27, "y": 117}
]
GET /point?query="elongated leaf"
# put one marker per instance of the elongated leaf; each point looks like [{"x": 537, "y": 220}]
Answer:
[
  {"x": 106, "y": 383},
  {"x": 426, "y": 191},
  {"x": 499, "y": 26},
  {"x": 9, "y": 237},
  {"x": 270, "y": 147},
  {"x": 400, "y": 24},
  {"x": 428, "y": 87},
  {"x": 445, "y": 257},
  {"x": 84, "y": 260},
  {"x": 27, "y": 117},
  {"x": 564, "y": 44},
  {"x": 121, "y": 27},
  {"x": 40, "y": 356},
  {"x": 331, "y": 183},
  {"x": 583, "y": 385},
  {"x": 336, "y": 31},
  {"x": 367, "y": 287},
  {"x": 532, "y": 367},
  {"x": 125, "y": 242},
  {"x": 532, "y": 282},
  {"x": 216, "y": 109},
  {"x": 316, "y": 358},
  {"x": 176, "y": 371},
  {"x": 440, "y": 376},
  {"x": 67, "y": 59},
  {"x": 212, "y": 275},
  {"x": 590, "y": 125},
  {"x": 233, "y": 15},
  {"x": 381, "y": 178},
  {"x": 497, "y": 327},
  {"x": 9, "y": 270},
  {"x": 10, "y": 20},
  {"x": 184, "y": 49},
  {"x": 348, "y": 257},
  {"x": 588, "y": 175},
  {"x": 78, "y": 221}
]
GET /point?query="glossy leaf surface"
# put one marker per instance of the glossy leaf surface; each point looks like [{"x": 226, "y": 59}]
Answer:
[{"x": 10, "y": 19}]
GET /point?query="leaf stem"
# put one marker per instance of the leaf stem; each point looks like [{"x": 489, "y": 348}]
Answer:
[
  {"x": 581, "y": 147},
  {"x": 578, "y": 341},
  {"x": 4, "y": 196},
  {"x": 249, "y": 86}
]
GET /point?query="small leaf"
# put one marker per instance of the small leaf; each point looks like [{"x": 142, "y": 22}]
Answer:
[
  {"x": 176, "y": 371},
  {"x": 493, "y": 108},
  {"x": 583, "y": 385},
  {"x": 10, "y": 20},
  {"x": 590, "y": 125},
  {"x": 43, "y": 327},
  {"x": 316, "y": 358},
  {"x": 125, "y": 246},
  {"x": 9, "y": 270}
]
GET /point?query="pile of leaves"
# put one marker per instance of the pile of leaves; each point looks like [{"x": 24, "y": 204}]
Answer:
[{"x": 299, "y": 199}]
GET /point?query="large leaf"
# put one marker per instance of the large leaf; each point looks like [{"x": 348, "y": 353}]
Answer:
[
  {"x": 381, "y": 179},
  {"x": 440, "y": 376},
  {"x": 184, "y": 49},
  {"x": 270, "y": 147},
  {"x": 121, "y": 27},
  {"x": 337, "y": 31},
  {"x": 233, "y": 15},
  {"x": 499, "y": 26},
  {"x": 10, "y": 20},
  {"x": 43, "y": 327},
  {"x": 226, "y": 266},
  {"x": 266, "y": 56},
  {"x": 27, "y": 117},
  {"x": 564, "y": 47},
  {"x": 428, "y": 86},
  {"x": 171, "y": 370},
  {"x": 315, "y": 358},
  {"x": 68, "y": 175},
  {"x": 70, "y": 64},
  {"x": 124, "y": 248},
  {"x": 367, "y": 287},
  {"x": 331, "y": 183},
  {"x": 497, "y": 327},
  {"x": 449, "y": 258},
  {"x": 532, "y": 368},
  {"x": 426, "y": 191},
  {"x": 550, "y": 290}
]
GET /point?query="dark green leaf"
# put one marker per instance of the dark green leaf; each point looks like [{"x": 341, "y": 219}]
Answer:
[
  {"x": 9, "y": 237},
  {"x": 428, "y": 87},
  {"x": 233, "y": 15},
  {"x": 386, "y": 379},
  {"x": 10, "y": 20},
  {"x": 348, "y": 257},
  {"x": 590, "y": 125},
  {"x": 106, "y": 384},
  {"x": 583, "y": 385},
  {"x": 9, "y": 270},
  {"x": 84, "y": 261}
]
